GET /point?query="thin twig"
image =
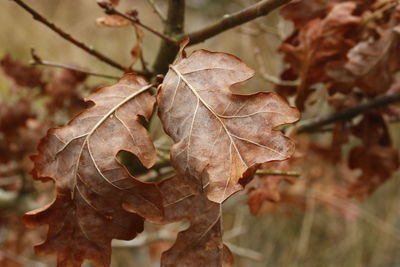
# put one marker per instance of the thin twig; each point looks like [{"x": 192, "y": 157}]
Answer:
[
  {"x": 230, "y": 21},
  {"x": 245, "y": 252},
  {"x": 69, "y": 67},
  {"x": 278, "y": 173},
  {"x": 38, "y": 61},
  {"x": 157, "y": 10},
  {"x": 347, "y": 114},
  {"x": 110, "y": 10},
  {"x": 268, "y": 77},
  {"x": 68, "y": 37}
]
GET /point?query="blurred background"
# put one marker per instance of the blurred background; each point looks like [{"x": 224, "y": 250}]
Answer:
[{"x": 308, "y": 232}]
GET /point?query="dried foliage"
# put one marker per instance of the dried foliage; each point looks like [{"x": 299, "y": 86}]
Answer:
[
  {"x": 348, "y": 49},
  {"x": 92, "y": 186},
  {"x": 110, "y": 177}
]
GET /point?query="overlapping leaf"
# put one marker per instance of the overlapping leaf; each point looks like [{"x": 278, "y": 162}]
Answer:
[
  {"x": 21, "y": 74},
  {"x": 91, "y": 185},
  {"x": 219, "y": 135},
  {"x": 201, "y": 244},
  {"x": 320, "y": 41},
  {"x": 377, "y": 159},
  {"x": 370, "y": 65}
]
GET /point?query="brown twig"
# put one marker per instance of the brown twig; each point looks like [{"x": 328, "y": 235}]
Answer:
[
  {"x": 265, "y": 75},
  {"x": 110, "y": 10},
  {"x": 157, "y": 10},
  {"x": 230, "y": 21},
  {"x": 36, "y": 60},
  {"x": 347, "y": 114},
  {"x": 69, "y": 67},
  {"x": 68, "y": 37},
  {"x": 278, "y": 173}
]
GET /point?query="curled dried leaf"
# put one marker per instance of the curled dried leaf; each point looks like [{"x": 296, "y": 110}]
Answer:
[{"x": 201, "y": 243}]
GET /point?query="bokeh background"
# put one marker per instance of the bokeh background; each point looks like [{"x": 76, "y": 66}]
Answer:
[{"x": 311, "y": 236}]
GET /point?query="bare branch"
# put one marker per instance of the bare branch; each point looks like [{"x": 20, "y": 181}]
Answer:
[
  {"x": 36, "y": 60},
  {"x": 109, "y": 9},
  {"x": 157, "y": 10},
  {"x": 230, "y": 21},
  {"x": 68, "y": 37},
  {"x": 69, "y": 67},
  {"x": 347, "y": 114}
]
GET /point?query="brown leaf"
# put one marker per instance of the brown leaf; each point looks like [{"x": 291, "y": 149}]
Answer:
[
  {"x": 320, "y": 41},
  {"x": 301, "y": 12},
  {"x": 15, "y": 115},
  {"x": 21, "y": 74},
  {"x": 370, "y": 65},
  {"x": 201, "y": 244},
  {"x": 219, "y": 135},
  {"x": 65, "y": 90},
  {"x": 137, "y": 48},
  {"x": 112, "y": 21},
  {"x": 320, "y": 172},
  {"x": 377, "y": 163},
  {"x": 265, "y": 188},
  {"x": 91, "y": 185},
  {"x": 377, "y": 159}
]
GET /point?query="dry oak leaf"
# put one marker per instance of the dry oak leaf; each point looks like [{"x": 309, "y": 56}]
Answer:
[
  {"x": 301, "y": 12},
  {"x": 21, "y": 74},
  {"x": 320, "y": 41},
  {"x": 265, "y": 188},
  {"x": 80, "y": 157},
  {"x": 65, "y": 89},
  {"x": 219, "y": 135},
  {"x": 370, "y": 65},
  {"x": 201, "y": 243}
]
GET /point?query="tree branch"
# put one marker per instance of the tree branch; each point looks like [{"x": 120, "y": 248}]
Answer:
[
  {"x": 346, "y": 114},
  {"x": 110, "y": 10},
  {"x": 68, "y": 37},
  {"x": 173, "y": 27},
  {"x": 68, "y": 67},
  {"x": 157, "y": 10},
  {"x": 36, "y": 60},
  {"x": 230, "y": 21}
]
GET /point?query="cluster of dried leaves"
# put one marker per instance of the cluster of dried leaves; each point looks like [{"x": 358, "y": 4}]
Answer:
[
  {"x": 344, "y": 53},
  {"x": 220, "y": 140}
]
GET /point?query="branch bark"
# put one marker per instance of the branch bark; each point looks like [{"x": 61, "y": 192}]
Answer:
[
  {"x": 173, "y": 27},
  {"x": 68, "y": 37},
  {"x": 347, "y": 114},
  {"x": 230, "y": 21}
]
